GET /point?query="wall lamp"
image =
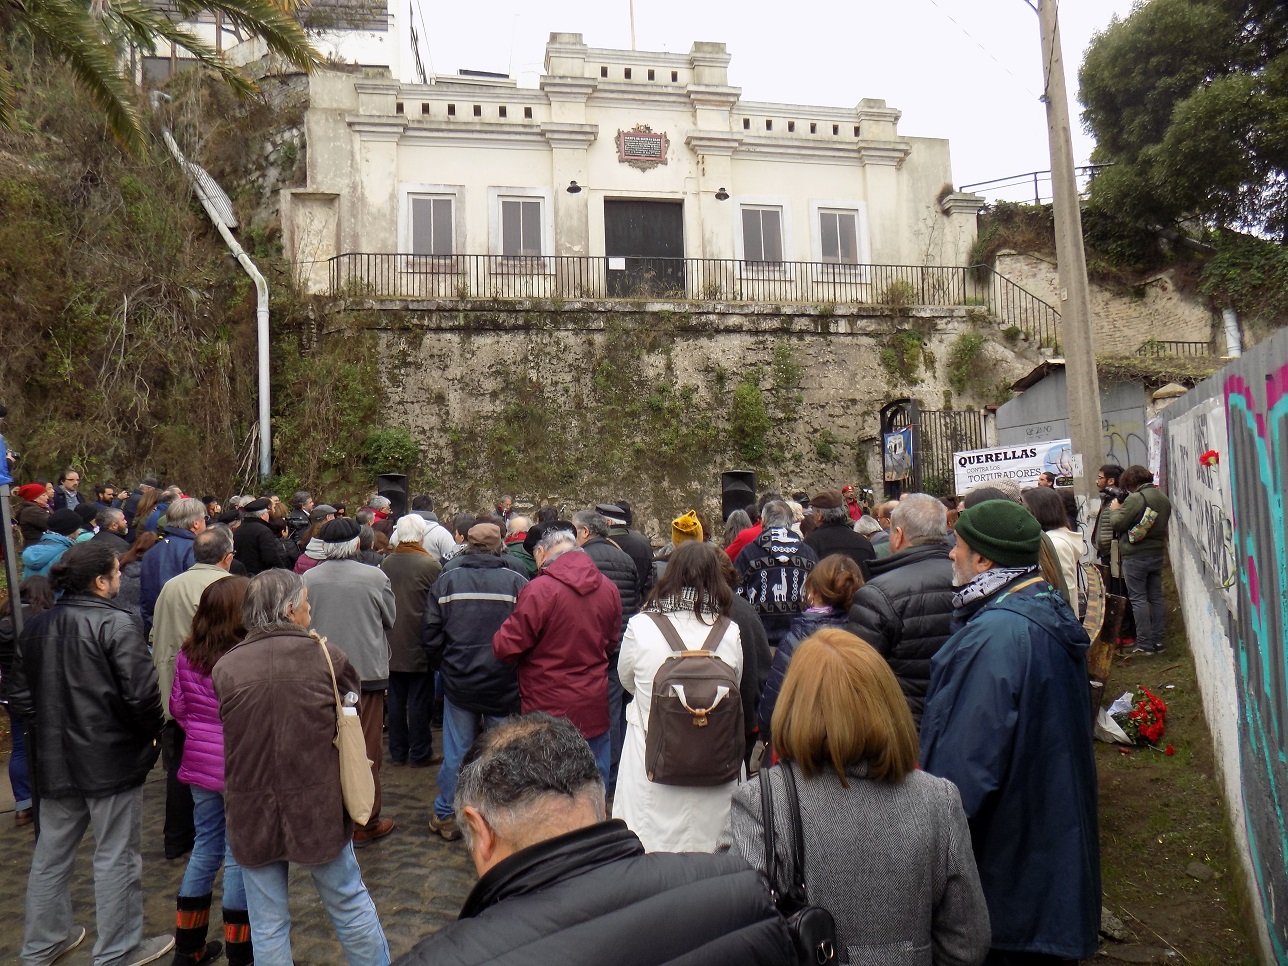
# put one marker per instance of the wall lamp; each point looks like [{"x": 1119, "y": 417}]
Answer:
[
  {"x": 574, "y": 188},
  {"x": 722, "y": 195}
]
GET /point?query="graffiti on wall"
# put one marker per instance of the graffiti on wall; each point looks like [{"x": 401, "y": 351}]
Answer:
[
  {"x": 1256, "y": 412},
  {"x": 1198, "y": 492}
]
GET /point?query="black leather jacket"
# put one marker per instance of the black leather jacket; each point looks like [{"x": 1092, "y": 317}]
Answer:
[
  {"x": 592, "y": 896},
  {"x": 616, "y": 564},
  {"x": 88, "y": 688},
  {"x": 905, "y": 611}
]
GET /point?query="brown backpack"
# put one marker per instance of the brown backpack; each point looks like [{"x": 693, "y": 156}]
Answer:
[{"x": 695, "y": 732}]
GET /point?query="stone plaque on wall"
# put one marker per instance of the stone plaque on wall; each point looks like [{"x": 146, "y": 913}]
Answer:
[{"x": 642, "y": 147}]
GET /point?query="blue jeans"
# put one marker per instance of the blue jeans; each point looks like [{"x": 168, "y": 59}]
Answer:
[
  {"x": 209, "y": 850},
  {"x": 616, "y": 723},
  {"x": 460, "y": 728},
  {"x": 1143, "y": 573},
  {"x": 345, "y": 897},
  {"x": 601, "y": 746},
  {"x": 19, "y": 778},
  {"x": 411, "y": 702}
]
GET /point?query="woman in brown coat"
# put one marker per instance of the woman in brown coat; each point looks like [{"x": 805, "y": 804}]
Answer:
[{"x": 282, "y": 773}]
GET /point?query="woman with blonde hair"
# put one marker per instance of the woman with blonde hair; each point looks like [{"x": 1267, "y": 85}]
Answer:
[{"x": 886, "y": 847}]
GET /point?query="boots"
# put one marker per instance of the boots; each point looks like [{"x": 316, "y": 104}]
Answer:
[
  {"x": 191, "y": 924},
  {"x": 237, "y": 938}
]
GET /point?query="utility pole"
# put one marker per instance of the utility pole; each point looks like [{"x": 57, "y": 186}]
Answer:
[{"x": 1081, "y": 382}]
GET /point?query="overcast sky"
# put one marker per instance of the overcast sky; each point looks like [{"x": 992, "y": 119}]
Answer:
[{"x": 966, "y": 70}]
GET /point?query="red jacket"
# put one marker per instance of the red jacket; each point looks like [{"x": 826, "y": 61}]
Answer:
[
  {"x": 744, "y": 537},
  {"x": 564, "y": 627}
]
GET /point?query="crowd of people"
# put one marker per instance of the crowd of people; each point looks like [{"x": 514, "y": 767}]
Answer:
[{"x": 882, "y": 711}]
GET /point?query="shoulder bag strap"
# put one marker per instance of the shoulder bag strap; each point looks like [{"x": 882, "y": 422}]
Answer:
[
  {"x": 668, "y": 631},
  {"x": 767, "y": 825},
  {"x": 335, "y": 685},
  {"x": 716, "y": 634},
  {"x": 797, "y": 872}
]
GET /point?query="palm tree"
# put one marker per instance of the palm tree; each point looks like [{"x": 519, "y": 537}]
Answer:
[{"x": 87, "y": 35}]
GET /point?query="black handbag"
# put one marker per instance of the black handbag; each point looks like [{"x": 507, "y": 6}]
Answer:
[{"x": 812, "y": 928}]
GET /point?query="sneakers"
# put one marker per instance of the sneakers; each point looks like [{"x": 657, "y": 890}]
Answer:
[
  {"x": 1144, "y": 650},
  {"x": 446, "y": 827},
  {"x": 148, "y": 951},
  {"x": 76, "y": 937},
  {"x": 369, "y": 833},
  {"x": 210, "y": 952}
]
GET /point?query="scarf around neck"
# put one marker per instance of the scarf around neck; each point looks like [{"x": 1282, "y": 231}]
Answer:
[{"x": 987, "y": 584}]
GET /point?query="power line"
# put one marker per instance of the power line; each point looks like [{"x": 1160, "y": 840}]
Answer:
[{"x": 988, "y": 53}]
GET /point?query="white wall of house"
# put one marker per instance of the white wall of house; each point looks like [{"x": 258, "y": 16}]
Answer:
[{"x": 831, "y": 184}]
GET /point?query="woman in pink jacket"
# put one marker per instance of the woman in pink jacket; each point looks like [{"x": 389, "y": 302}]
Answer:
[{"x": 216, "y": 627}]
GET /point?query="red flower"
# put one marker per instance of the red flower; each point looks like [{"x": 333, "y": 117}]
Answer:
[
  {"x": 1169, "y": 751},
  {"x": 1209, "y": 458}
]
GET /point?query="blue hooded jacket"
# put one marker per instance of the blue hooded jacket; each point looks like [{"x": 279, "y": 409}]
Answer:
[
  {"x": 1008, "y": 720},
  {"x": 169, "y": 557},
  {"x": 39, "y": 558}
]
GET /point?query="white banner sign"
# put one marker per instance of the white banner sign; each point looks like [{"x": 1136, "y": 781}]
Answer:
[{"x": 1023, "y": 463}]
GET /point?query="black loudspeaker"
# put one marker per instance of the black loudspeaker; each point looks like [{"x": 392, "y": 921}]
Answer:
[
  {"x": 393, "y": 487},
  {"x": 737, "y": 491}
]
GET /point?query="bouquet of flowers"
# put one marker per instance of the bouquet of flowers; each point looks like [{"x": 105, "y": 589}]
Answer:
[{"x": 1144, "y": 722}]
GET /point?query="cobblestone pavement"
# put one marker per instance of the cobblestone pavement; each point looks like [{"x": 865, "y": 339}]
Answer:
[{"x": 418, "y": 881}]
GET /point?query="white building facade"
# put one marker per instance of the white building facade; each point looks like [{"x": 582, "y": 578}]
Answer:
[{"x": 622, "y": 170}]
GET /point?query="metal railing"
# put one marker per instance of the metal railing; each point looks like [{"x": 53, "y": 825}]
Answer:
[
  {"x": 402, "y": 276},
  {"x": 1154, "y": 348}
]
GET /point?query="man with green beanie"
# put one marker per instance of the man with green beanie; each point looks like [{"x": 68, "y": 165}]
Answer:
[{"x": 1008, "y": 721}]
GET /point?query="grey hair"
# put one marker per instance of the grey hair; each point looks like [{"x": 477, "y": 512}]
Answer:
[
  {"x": 776, "y": 514},
  {"x": 867, "y": 525},
  {"x": 300, "y": 498},
  {"x": 270, "y": 598},
  {"x": 737, "y": 522},
  {"x": 518, "y": 524},
  {"x": 592, "y": 521},
  {"x": 410, "y": 529},
  {"x": 557, "y": 540},
  {"x": 922, "y": 518},
  {"x": 212, "y": 545},
  {"x": 525, "y": 765},
  {"x": 182, "y": 514},
  {"x": 107, "y": 516},
  {"x": 342, "y": 551},
  {"x": 379, "y": 502},
  {"x": 831, "y": 515}
]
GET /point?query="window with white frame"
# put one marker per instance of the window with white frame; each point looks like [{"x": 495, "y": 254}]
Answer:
[
  {"x": 762, "y": 233},
  {"x": 432, "y": 225},
  {"x": 839, "y": 236},
  {"x": 521, "y": 227}
]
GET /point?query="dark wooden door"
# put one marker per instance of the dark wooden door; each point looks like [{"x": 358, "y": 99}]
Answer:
[{"x": 644, "y": 241}]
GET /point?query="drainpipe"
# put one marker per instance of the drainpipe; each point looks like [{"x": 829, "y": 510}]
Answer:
[
  {"x": 219, "y": 208},
  {"x": 1233, "y": 341}
]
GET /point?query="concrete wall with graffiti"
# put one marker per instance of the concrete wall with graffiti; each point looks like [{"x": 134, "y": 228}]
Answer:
[
  {"x": 1230, "y": 558},
  {"x": 1038, "y": 414}
]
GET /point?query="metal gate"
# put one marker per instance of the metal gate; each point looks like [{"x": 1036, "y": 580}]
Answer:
[{"x": 936, "y": 435}]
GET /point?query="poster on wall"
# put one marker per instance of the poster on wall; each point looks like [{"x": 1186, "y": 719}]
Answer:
[
  {"x": 896, "y": 455},
  {"x": 1023, "y": 464},
  {"x": 1197, "y": 484}
]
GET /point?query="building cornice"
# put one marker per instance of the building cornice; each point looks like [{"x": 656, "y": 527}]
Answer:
[
  {"x": 892, "y": 153},
  {"x": 716, "y": 143},
  {"x": 713, "y": 98},
  {"x": 635, "y": 98},
  {"x": 567, "y": 88},
  {"x": 961, "y": 203},
  {"x": 575, "y": 136},
  {"x": 371, "y": 127}
]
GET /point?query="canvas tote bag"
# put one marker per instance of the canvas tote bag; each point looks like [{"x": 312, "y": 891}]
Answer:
[{"x": 357, "y": 783}]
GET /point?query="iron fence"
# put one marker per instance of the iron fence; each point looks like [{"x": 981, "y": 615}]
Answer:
[
  {"x": 899, "y": 287},
  {"x": 1155, "y": 348}
]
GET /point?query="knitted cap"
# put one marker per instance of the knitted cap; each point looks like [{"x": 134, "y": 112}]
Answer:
[
  {"x": 1004, "y": 532},
  {"x": 30, "y": 491},
  {"x": 340, "y": 530},
  {"x": 686, "y": 527}
]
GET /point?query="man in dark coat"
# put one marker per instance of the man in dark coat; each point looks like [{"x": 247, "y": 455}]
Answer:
[
  {"x": 171, "y": 555},
  {"x": 88, "y": 690},
  {"x": 111, "y": 529},
  {"x": 1006, "y": 721},
  {"x": 905, "y": 610},
  {"x": 567, "y": 622},
  {"x": 615, "y": 564},
  {"x": 255, "y": 543},
  {"x": 834, "y": 531},
  {"x": 559, "y": 884},
  {"x": 466, "y": 606},
  {"x": 632, "y": 542}
]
